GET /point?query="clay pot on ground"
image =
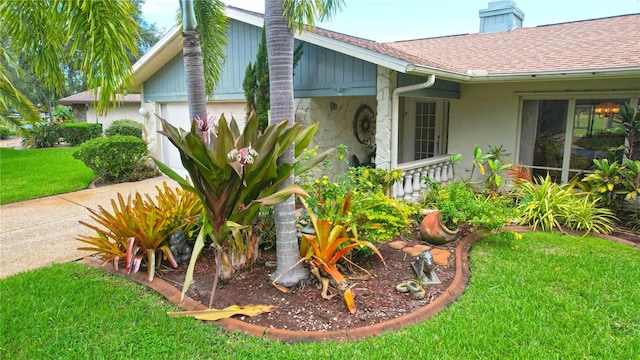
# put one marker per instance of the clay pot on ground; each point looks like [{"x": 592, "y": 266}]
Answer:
[{"x": 433, "y": 231}]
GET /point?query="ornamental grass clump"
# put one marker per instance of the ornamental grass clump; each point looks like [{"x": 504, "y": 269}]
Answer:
[{"x": 546, "y": 205}]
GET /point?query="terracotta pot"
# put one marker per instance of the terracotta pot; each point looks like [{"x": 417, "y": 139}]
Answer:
[{"x": 433, "y": 231}]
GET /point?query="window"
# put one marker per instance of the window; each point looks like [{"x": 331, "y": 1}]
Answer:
[
  {"x": 425, "y": 140},
  {"x": 591, "y": 125}
]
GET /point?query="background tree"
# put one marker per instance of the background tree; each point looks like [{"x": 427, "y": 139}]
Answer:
[
  {"x": 50, "y": 30},
  {"x": 256, "y": 82},
  {"x": 11, "y": 99},
  {"x": 149, "y": 32},
  {"x": 281, "y": 18},
  {"x": 64, "y": 47}
]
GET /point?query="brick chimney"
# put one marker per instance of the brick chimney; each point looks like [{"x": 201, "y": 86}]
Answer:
[{"x": 500, "y": 16}]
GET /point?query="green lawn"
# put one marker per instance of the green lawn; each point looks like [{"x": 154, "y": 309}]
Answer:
[
  {"x": 34, "y": 173},
  {"x": 544, "y": 296}
]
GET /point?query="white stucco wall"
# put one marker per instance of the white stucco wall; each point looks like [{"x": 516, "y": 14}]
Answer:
[
  {"x": 124, "y": 111},
  {"x": 489, "y": 114}
]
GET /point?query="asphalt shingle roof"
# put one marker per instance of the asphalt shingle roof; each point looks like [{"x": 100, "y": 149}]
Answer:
[
  {"x": 86, "y": 97},
  {"x": 606, "y": 43}
]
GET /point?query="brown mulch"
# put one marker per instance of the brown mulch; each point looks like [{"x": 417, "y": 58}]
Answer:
[{"x": 303, "y": 308}]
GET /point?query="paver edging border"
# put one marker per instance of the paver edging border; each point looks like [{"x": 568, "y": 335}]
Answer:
[{"x": 451, "y": 294}]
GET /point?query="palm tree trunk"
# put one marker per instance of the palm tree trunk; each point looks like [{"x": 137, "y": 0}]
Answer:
[
  {"x": 280, "y": 55},
  {"x": 193, "y": 66}
]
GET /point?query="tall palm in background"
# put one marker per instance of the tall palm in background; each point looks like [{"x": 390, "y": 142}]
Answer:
[
  {"x": 203, "y": 22},
  {"x": 99, "y": 34},
  {"x": 282, "y": 17}
]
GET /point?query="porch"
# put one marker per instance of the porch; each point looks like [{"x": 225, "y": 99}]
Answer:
[{"x": 438, "y": 169}]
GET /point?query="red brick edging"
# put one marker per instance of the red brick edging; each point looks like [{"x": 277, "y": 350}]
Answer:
[{"x": 452, "y": 293}]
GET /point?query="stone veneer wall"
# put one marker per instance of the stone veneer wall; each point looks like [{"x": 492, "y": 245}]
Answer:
[
  {"x": 336, "y": 126},
  {"x": 386, "y": 82}
]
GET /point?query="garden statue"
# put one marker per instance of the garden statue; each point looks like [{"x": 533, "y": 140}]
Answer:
[
  {"x": 179, "y": 246},
  {"x": 424, "y": 269}
]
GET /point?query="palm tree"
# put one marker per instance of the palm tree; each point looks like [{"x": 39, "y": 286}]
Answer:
[
  {"x": 281, "y": 18},
  {"x": 202, "y": 19},
  {"x": 11, "y": 99},
  {"x": 102, "y": 32}
]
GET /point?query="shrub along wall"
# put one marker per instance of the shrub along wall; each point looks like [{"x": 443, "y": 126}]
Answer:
[
  {"x": 77, "y": 133},
  {"x": 124, "y": 127}
]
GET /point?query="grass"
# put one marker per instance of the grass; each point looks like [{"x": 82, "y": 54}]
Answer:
[
  {"x": 542, "y": 296},
  {"x": 34, "y": 173}
]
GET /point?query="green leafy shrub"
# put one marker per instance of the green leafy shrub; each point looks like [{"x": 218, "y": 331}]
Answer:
[
  {"x": 124, "y": 127},
  {"x": 77, "y": 133},
  {"x": 459, "y": 204},
  {"x": 115, "y": 159},
  {"x": 616, "y": 186},
  {"x": 5, "y": 132},
  {"x": 548, "y": 205},
  {"x": 365, "y": 188},
  {"x": 43, "y": 135}
]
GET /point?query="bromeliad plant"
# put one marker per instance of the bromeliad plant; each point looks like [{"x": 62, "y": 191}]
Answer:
[
  {"x": 234, "y": 173},
  {"x": 332, "y": 241},
  {"x": 138, "y": 229}
]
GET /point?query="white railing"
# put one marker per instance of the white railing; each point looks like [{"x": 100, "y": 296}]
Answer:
[{"x": 411, "y": 187}]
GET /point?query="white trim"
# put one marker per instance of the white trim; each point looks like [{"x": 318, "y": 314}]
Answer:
[
  {"x": 529, "y": 95},
  {"x": 244, "y": 17},
  {"x": 151, "y": 61},
  {"x": 353, "y": 50}
]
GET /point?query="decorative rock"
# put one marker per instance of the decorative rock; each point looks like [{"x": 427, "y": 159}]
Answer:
[
  {"x": 416, "y": 250},
  {"x": 440, "y": 257},
  {"x": 398, "y": 245}
]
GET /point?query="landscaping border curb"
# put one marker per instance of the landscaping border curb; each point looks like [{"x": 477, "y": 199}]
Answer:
[{"x": 451, "y": 294}]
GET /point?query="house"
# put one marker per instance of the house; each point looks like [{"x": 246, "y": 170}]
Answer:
[
  {"x": 541, "y": 93},
  {"x": 84, "y": 111}
]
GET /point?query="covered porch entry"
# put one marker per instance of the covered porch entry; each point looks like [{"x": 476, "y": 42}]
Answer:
[{"x": 420, "y": 109}]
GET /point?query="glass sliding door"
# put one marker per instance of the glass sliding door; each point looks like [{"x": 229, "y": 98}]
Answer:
[
  {"x": 543, "y": 133},
  {"x": 563, "y": 137},
  {"x": 595, "y": 132}
]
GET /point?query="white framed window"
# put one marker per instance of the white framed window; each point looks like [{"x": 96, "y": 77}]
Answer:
[{"x": 561, "y": 137}]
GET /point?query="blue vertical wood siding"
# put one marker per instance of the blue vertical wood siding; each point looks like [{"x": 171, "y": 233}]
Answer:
[{"x": 319, "y": 73}]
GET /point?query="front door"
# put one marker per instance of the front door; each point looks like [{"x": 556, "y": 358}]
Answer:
[{"x": 424, "y": 130}]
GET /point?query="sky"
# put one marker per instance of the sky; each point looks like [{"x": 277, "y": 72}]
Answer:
[{"x": 391, "y": 20}]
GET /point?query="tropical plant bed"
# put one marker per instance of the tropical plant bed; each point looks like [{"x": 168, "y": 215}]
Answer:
[{"x": 304, "y": 308}]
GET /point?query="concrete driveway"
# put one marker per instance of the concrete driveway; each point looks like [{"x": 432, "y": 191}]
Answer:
[{"x": 40, "y": 232}]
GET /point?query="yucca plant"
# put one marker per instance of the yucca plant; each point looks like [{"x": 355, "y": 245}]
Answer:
[
  {"x": 234, "y": 173},
  {"x": 332, "y": 241},
  {"x": 137, "y": 228}
]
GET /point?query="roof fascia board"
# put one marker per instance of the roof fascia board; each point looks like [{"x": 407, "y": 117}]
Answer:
[
  {"x": 556, "y": 75},
  {"x": 244, "y": 17},
  {"x": 582, "y": 94},
  {"x": 355, "y": 51},
  {"x": 550, "y": 75},
  {"x": 150, "y": 62}
]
